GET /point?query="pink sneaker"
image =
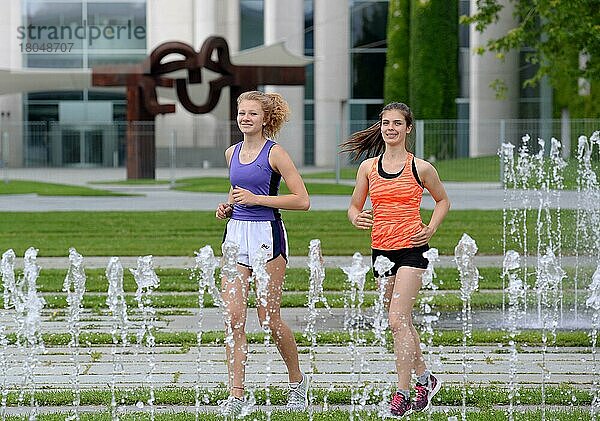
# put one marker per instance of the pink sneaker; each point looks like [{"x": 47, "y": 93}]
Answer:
[
  {"x": 400, "y": 406},
  {"x": 426, "y": 393}
]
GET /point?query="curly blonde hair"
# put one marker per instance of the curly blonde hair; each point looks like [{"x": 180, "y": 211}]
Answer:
[{"x": 275, "y": 108}]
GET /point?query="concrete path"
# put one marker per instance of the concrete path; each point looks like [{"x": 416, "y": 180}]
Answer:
[
  {"x": 482, "y": 196},
  {"x": 326, "y": 320},
  {"x": 335, "y": 366}
]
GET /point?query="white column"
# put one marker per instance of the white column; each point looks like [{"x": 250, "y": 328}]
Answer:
[
  {"x": 228, "y": 18},
  {"x": 205, "y": 21},
  {"x": 331, "y": 38},
  {"x": 192, "y": 21},
  {"x": 166, "y": 21},
  {"x": 284, "y": 21},
  {"x": 484, "y": 135},
  {"x": 217, "y": 17},
  {"x": 10, "y": 21},
  {"x": 11, "y": 106}
]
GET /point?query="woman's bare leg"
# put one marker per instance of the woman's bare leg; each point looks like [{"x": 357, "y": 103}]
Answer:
[
  {"x": 282, "y": 334},
  {"x": 234, "y": 294},
  {"x": 407, "y": 284}
]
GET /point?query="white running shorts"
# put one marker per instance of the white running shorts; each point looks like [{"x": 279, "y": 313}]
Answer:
[{"x": 254, "y": 235}]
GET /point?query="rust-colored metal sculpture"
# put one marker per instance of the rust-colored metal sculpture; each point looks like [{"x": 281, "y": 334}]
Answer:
[{"x": 141, "y": 81}]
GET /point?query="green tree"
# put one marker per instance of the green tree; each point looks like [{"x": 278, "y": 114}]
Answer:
[
  {"x": 397, "y": 65},
  {"x": 433, "y": 80},
  {"x": 559, "y": 32}
]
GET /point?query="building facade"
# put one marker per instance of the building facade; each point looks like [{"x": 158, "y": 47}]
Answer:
[{"x": 346, "y": 40}]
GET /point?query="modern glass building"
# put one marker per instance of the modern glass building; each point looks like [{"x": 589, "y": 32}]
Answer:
[
  {"x": 74, "y": 124},
  {"x": 76, "y": 127}
]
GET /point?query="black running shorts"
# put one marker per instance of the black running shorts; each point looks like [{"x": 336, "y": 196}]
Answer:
[{"x": 410, "y": 257}]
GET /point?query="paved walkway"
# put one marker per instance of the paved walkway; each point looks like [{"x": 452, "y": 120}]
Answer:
[
  {"x": 334, "y": 365},
  {"x": 483, "y": 196}
]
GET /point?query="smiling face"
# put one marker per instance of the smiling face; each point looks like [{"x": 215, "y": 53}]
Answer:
[
  {"x": 393, "y": 127},
  {"x": 250, "y": 117}
]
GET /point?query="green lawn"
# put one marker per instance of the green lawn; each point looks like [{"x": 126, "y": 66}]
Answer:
[
  {"x": 221, "y": 185},
  {"x": 186, "y": 339},
  {"x": 51, "y": 189},
  {"x": 462, "y": 169},
  {"x": 480, "y": 396},
  {"x": 180, "y": 233},
  {"x": 481, "y": 169},
  {"x": 296, "y": 279}
]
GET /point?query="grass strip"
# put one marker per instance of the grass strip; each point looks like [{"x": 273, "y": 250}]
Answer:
[
  {"x": 480, "y": 169},
  {"x": 296, "y": 279},
  {"x": 479, "y": 396},
  {"x": 449, "y": 301},
  {"x": 185, "y": 340},
  {"x": 179, "y": 233},
  {"x": 222, "y": 185},
  {"x": 52, "y": 189}
]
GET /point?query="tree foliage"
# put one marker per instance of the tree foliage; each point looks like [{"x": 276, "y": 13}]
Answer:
[
  {"x": 558, "y": 32},
  {"x": 421, "y": 63},
  {"x": 396, "y": 66},
  {"x": 433, "y": 80}
]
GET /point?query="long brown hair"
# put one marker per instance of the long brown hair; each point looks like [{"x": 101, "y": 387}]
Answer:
[
  {"x": 275, "y": 109},
  {"x": 369, "y": 142}
]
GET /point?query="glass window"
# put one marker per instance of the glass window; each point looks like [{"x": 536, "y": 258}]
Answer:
[
  {"x": 309, "y": 134},
  {"x": 106, "y": 96},
  {"x": 308, "y": 27},
  {"x": 363, "y": 114},
  {"x": 101, "y": 59},
  {"x": 309, "y": 85},
  {"x": 252, "y": 23},
  {"x": 463, "y": 30},
  {"x": 53, "y": 22},
  {"x": 529, "y": 108},
  {"x": 43, "y": 112},
  {"x": 61, "y": 61},
  {"x": 117, "y": 25},
  {"x": 464, "y": 64},
  {"x": 72, "y": 29},
  {"x": 367, "y": 75},
  {"x": 55, "y": 96},
  {"x": 369, "y": 24},
  {"x": 526, "y": 71}
]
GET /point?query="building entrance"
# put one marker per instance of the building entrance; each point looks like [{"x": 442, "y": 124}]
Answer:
[
  {"x": 85, "y": 135},
  {"x": 82, "y": 146}
]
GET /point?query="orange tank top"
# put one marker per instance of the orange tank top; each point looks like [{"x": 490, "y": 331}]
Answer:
[{"x": 396, "y": 200}]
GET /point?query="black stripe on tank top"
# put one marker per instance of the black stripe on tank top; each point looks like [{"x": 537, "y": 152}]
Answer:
[
  {"x": 415, "y": 173},
  {"x": 274, "y": 186}
]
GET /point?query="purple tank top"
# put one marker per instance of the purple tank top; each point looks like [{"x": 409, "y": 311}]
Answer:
[{"x": 259, "y": 178}]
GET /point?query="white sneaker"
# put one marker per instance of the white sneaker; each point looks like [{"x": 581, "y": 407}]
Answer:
[
  {"x": 298, "y": 395},
  {"x": 231, "y": 407}
]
